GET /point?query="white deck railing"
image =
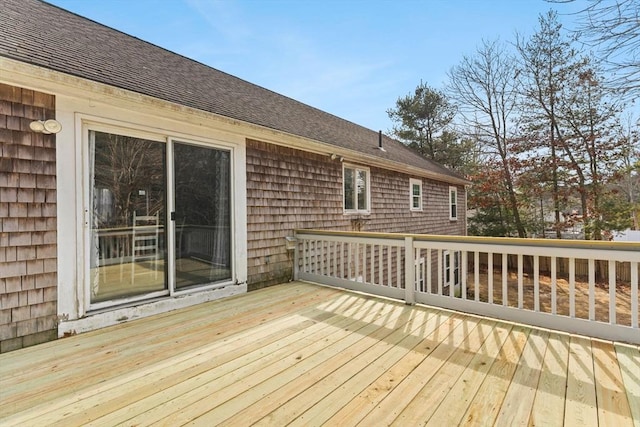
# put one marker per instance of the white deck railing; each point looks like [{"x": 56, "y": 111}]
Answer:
[{"x": 537, "y": 282}]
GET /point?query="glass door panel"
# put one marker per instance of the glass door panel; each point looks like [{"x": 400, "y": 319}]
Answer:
[
  {"x": 202, "y": 215},
  {"x": 127, "y": 217}
]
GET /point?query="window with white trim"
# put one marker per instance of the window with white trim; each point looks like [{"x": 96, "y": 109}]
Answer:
[
  {"x": 415, "y": 190},
  {"x": 453, "y": 203},
  {"x": 451, "y": 268},
  {"x": 356, "y": 189}
]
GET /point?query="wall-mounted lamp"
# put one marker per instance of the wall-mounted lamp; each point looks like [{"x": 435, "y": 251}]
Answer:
[
  {"x": 334, "y": 156},
  {"x": 45, "y": 126}
]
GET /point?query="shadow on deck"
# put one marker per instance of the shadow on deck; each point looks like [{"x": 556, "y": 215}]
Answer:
[{"x": 310, "y": 355}]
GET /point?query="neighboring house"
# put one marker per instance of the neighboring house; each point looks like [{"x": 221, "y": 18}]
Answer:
[{"x": 170, "y": 183}]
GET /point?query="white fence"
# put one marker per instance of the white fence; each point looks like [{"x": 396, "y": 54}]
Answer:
[{"x": 512, "y": 279}]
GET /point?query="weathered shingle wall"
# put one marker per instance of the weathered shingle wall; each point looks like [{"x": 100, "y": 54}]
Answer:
[
  {"x": 28, "y": 252},
  {"x": 289, "y": 189}
]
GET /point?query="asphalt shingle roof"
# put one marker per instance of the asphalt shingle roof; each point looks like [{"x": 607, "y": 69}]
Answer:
[{"x": 41, "y": 34}]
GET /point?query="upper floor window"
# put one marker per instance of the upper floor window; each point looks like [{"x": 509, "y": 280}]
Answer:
[
  {"x": 453, "y": 203},
  {"x": 356, "y": 189},
  {"x": 415, "y": 188}
]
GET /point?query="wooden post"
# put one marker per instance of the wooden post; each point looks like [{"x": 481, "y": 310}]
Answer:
[
  {"x": 409, "y": 271},
  {"x": 296, "y": 259}
]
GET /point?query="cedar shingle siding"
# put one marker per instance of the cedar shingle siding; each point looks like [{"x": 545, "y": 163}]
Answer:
[
  {"x": 289, "y": 189},
  {"x": 28, "y": 252}
]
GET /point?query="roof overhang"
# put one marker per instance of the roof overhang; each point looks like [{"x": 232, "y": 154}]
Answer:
[{"x": 55, "y": 82}]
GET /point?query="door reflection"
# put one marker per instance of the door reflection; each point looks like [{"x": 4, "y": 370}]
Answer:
[
  {"x": 202, "y": 215},
  {"x": 127, "y": 241}
]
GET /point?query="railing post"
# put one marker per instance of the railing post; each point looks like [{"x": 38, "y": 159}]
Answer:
[
  {"x": 292, "y": 242},
  {"x": 409, "y": 271}
]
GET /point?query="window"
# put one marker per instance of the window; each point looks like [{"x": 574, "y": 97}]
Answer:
[
  {"x": 420, "y": 275},
  {"x": 453, "y": 203},
  {"x": 356, "y": 189},
  {"x": 415, "y": 188},
  {"x": 452, "y": 272}
]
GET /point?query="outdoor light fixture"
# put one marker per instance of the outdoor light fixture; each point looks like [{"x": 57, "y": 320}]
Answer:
[{"x": 45, "y": 126}]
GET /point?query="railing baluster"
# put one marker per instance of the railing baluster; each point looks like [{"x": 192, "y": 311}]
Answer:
[
  {"x": 572, "y": 287},
  {"x": 520, "y": 284},
  {"x": 364, "y": 263},
  {"x": 476, "y": 276},
  {"x": 342, "y": 260},
  {"x": 349, "y": 253},
  {"x": 592, "y": 289},
  {"x": 634, "y": 294},
  {"x": 464, "y": 272},
  {"x": 357, "y": 258},
  {"x": 389, "y": 252},
  {"x": 428, "y": 262},
  {"x": 416, "y": 267},
  {"x": 409, "y": 270},
  {"x": 322, "y": 256},
  {"x": 490, "y": 276},
  {"x": 305, "y": 256},
  {"x": 536, "y": 283},
  {"x": 612, "y": 292},
  {"x": 398, "y": 269},
  {"x": 335, "y": 259},
  {"x": 380, "y": 270},
  {"x": 505, "y": 279},
  {"x": 554, "y": 273},
  {"x": 310, "y": 256},
  {"x": 319, "y": 257},
  {"x": 372, "y": 277},
  {"x": 440, "y": 272}
]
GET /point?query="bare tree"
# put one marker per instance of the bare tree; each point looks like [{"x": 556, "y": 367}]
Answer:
[
  {"x": 483, "y": 87},
  {"x": 613, "y": 29}
]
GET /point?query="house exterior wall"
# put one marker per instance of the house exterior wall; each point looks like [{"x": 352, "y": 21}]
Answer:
[
  {"x": 289, "y": 188},
  {"x": 44, "y": 198},
  {"x": 28, "y": 250},
  {"x": 35, "y": 305}
]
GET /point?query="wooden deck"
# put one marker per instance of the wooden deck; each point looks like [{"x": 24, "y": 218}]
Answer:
[{"x": 302, "y": 354}]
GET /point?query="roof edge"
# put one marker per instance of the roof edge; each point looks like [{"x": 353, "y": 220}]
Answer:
[{"x": 72, "y": 85}]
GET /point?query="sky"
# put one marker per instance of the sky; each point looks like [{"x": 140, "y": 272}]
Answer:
[{"x": 351, "y": 58}]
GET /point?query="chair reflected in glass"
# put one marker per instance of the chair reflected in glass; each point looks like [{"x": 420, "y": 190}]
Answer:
[{"x": 145, "y": 245}]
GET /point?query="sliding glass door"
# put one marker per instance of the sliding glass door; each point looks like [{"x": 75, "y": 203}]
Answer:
[
  {"x": 129, "y": 240},
  {"x": 127, "y": 217},
  {"x": 202, "y": 215}
]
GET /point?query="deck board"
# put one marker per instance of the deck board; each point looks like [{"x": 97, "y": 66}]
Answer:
[
  {"x": 581, "y": 407},
  {"x": 518, "y": 401},
  {"x": 613, "y": 406},
  {"x": 548, "y": 406},
  {"x": 303, "y": 354}
]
